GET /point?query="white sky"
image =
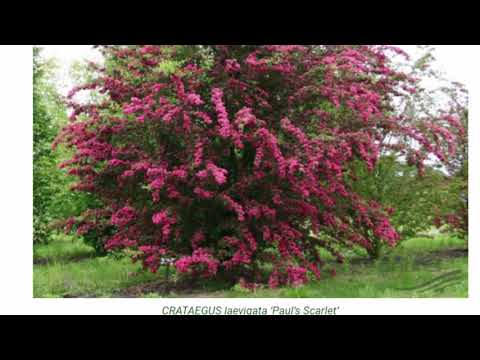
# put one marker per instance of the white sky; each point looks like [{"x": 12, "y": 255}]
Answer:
[
  {"x": 457, "y": 61},
  {"x": 66, "y": 56}
]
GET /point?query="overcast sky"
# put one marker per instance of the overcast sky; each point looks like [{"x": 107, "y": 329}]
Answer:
[{"x": 457, "y": 61}]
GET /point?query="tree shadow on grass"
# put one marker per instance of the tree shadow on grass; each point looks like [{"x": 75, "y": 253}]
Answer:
[
  {"x": 179, "y": 286},
  {"x": 420, "y": 259},
  {"x": 188, "y": 287},
  {"x": 64, "y": 258}
]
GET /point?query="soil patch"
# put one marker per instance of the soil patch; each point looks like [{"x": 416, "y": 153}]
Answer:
[
  {"x": 437, "y": 256},
  {"x": 187, "y": 287}
]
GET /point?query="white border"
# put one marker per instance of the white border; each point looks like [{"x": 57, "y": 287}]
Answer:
[{"x": 16, "y": 219}]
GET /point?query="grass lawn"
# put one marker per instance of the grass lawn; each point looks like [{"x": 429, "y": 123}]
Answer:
[
  {"x": 66, "y": 268},
  {"x": 62, "y": 249}
]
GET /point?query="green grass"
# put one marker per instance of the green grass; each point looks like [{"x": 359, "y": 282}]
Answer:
[
  {"x": 425, "y": 244},
  {"x": 99, "y": 277},
  {"x": 408, "y": 266},
  {"x": 62, "y": 249},
  {"x": 67, "y": 267},
  {"x": 413, "y": 263},
  {"x": 382, "y": 280}
]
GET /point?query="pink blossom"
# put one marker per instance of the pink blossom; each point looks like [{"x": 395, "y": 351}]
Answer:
[
  {"x": 123, "y": 216},
  {"x": 219, "y": 174},
  {"x": 233, "y": 205},
  {"x": 205, "y": 117},
  {"x": 297, "y": 275},
  {"x": 198, "y": 155},
  {"x": 225, "y": 130},
  {"x": 197, "y": 238},
  {"x": 160, "y": 217},
  {"x": 193, "y": 99},
  {"x": 165, "y": 221},
  {"x": 202, "y": 193},
  {"x": 201, "y": 262},
  {"x": 232, "y": 65}
]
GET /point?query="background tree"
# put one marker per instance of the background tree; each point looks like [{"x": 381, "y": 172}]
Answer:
[
  {"x": 436, "y": 196},
  {"x": 447, "y": 100},
  {"x": 67, "y": 203},
  {"x": 53, "y": 200},
  {"x": 44, "y": 131},
  {"x": 409, "y": 198},
  {"x": 453, "y": 209}
]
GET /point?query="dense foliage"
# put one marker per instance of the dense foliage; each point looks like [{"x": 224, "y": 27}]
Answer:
[
  {"x": 408, "y": 197},
  {"x": 240, "y": 159},
  {"x": 52, "y": 198},
  {"x": 44, "y": 131},
  {"x": 452, "y": 210}
]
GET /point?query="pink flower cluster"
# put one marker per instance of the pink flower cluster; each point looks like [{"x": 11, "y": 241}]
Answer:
[
  {"x": 385, "y": 231},
  {"x": 200, "y": 263},
  {"x": 233, "y": 205},
  {"x": 297, "y": 275},
  {"x": 165, "y": 221},
  {"x": 219, "y": 174},
  {"x": 123, "y": 216},
  {"x": 231, "y": 66},
  {"x": 224, "y": 123}
]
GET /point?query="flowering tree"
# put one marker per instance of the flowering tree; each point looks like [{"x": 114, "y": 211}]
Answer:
[
  {"x": 238, "y": 159},
  {"x": 452, "y": 210}
]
